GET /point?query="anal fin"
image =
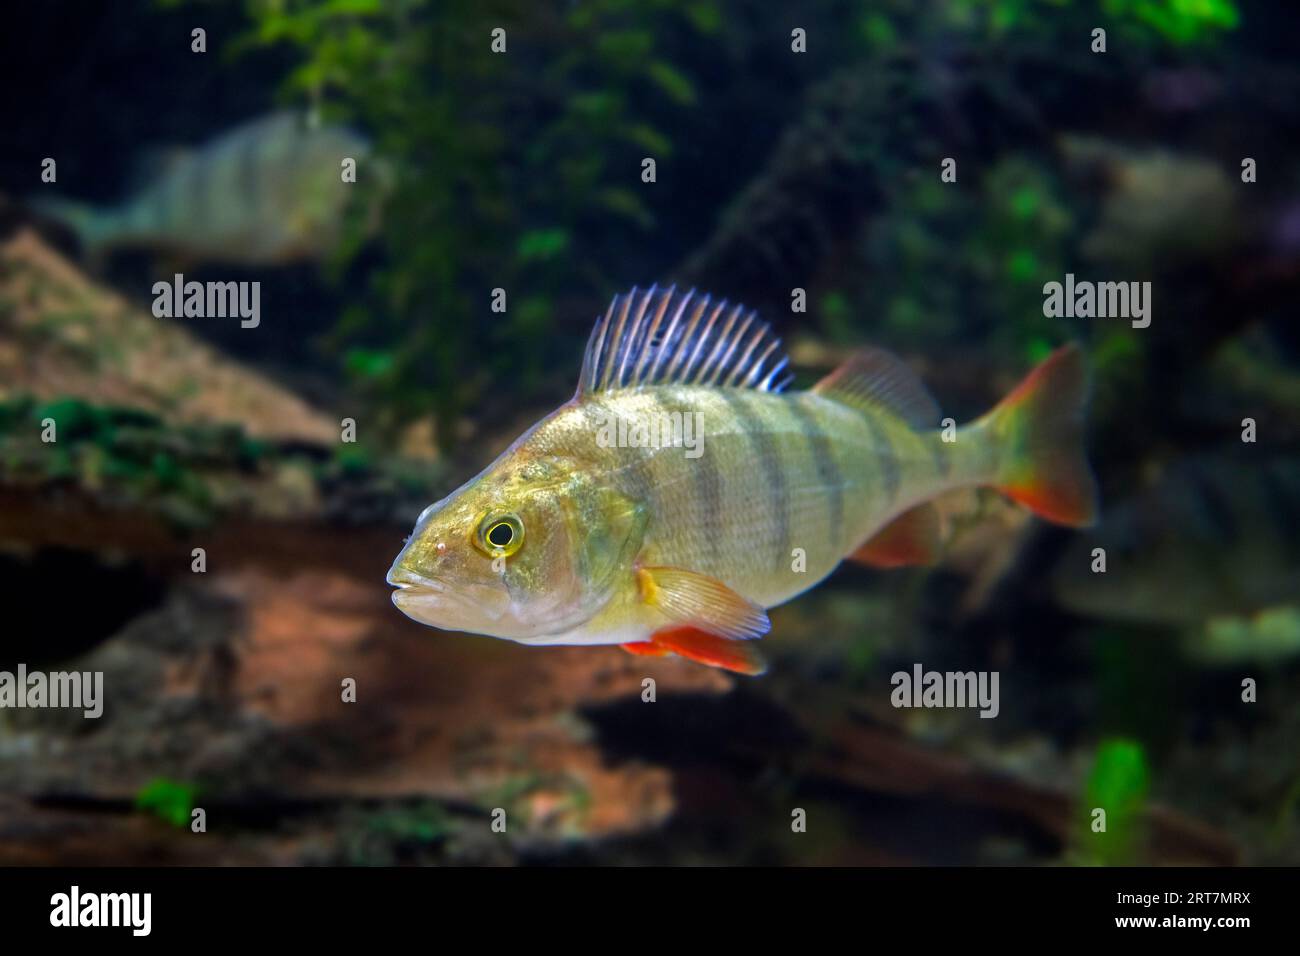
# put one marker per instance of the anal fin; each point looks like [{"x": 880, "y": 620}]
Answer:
[{"x": 913, "y": 538}]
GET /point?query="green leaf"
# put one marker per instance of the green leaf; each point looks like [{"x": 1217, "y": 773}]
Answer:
[
  {"x": 1022, "y": 265},
  {"x": 672, "y": 82},
  {"x": 879, "y": 31},
  {"x": 542, "y": 244},
  {"x": 368, "y": 363},
  {"x": 624, "y": 202},
  {"x": 650, "y": 138},
  {"x": 704, "y": 16},
  {"x": 1024, "y": 203},
  {"x": 625, "y": 47},
  {"x": 599, "y": 105}
]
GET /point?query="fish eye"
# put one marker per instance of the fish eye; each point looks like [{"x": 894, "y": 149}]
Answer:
[{"x": 501, "y": 534}]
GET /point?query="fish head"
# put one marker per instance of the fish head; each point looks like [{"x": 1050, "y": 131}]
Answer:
[
  {"x": 523, "y": 551},
  {"x": 1163, "y": 564}
]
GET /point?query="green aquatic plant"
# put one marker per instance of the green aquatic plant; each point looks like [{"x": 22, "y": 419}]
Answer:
[
  {"x": 1178, "y": 21},
  {"x": 1118, "y": 784},
  {"x": 559, "y": 803},
  {"x": 394, "y": 833},
  {"x": 170, "y": 800},
  {"x": 519, "y": 171},
  {"x": 1011, "y": 235},
  {"x": 515, "y": 170},
  {"x": 426, "y": 822},
  {"x": 188, "y": 475},
  {"x": 886, "y": 25},
  {"x": 132, "y": 455}
]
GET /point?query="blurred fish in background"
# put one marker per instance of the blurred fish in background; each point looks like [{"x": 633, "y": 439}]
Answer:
[
  {"x": 1209, "y": 549},
  {"x": 269, "y": 192},
  {"x": 1155, "y": 205}
]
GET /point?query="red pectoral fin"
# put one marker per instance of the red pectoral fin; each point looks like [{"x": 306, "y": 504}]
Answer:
[{"x": 705, "y": 648}]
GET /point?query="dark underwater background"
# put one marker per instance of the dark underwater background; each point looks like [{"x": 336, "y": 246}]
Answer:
[{"x": 775, "y": 170}]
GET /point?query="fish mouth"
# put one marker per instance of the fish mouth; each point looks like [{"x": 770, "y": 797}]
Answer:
[
  {"x": 420, "y": 597},
  {"x": 402, "y": 577},
  {"x": 413, "y": 588}
]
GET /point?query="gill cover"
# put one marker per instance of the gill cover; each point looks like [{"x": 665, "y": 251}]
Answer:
[{"x": 607, "y": 529}]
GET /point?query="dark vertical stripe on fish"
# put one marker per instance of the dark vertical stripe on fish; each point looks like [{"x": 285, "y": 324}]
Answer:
[
  {"x": 175, "y": 220},
  {"x": 884, "y": 449},
  {"x": 939, "y": 452},
  {"x": 707, "y": 478},
  {"x": 249, "y": 180},
  {"x": 828, "y": 469},
  {"x": 158, "y": 203},
  {"x": 764, "y": 447},
  {"x": 207, "y": 202},
  {"x": 196, "y": 187},
  {"x": 634, "y": 463}
]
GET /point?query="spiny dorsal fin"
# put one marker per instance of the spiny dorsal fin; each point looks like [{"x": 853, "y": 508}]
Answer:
[
  {"x": 663, "y": 337},
  {"x": 874, "y": 379}
]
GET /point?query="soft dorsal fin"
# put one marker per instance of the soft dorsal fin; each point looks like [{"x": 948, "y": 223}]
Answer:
[
  {"x": 874, "y": 379},
  {"x": 664, "y": 337}
]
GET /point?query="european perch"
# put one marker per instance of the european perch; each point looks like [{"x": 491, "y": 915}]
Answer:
[{"x": 568, "y": 538}]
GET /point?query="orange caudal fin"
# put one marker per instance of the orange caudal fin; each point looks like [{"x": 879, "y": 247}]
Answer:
[
  {"x": 1039, "y": 428},
  {"x": 702, "y": 647}
]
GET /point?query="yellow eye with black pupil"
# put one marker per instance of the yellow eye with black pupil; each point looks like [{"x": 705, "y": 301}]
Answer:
[{"x": 500, "y": 534}]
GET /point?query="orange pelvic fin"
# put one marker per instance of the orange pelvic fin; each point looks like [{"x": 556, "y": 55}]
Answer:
[
  {"x": 740, "y": 657},
  {"x": 912, "y": 538}
]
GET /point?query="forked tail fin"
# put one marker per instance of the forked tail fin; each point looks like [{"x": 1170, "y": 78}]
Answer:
[{"x": 1039, "y": 429}]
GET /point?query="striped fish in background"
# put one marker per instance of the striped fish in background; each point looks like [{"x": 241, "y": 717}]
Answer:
[
  {"x": 269, "y": 192},
  {"x": 568, "y": 538},
  {"x": 1213, "y": 537}
]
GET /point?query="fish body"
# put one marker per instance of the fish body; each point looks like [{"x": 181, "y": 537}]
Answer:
[
  {"x": 265, "y": 193},
  {"x": 683, "y": 491},
  {"x": 1212, "y": 538},
  {"x": 779, "y": 472}
]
